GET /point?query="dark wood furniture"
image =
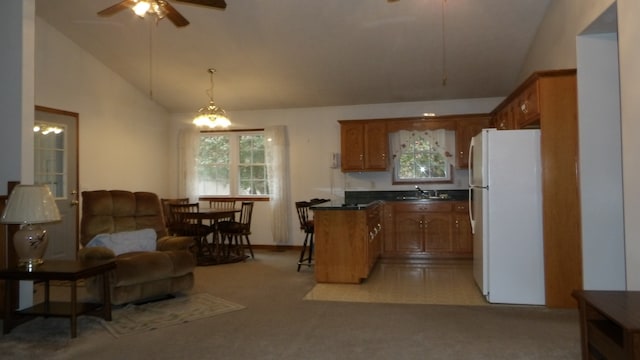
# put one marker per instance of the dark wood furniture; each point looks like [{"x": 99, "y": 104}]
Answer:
[
  {"x": 64, "y": 270},
  {"x": 609, "y": 324},
  {"x": 216, "y": 253},
  {"x": 307, "y": 225},
  {"x": 237, "y": 232}
]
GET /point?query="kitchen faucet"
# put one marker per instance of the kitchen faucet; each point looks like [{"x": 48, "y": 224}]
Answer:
[
  {"x": 423, "y": 193},
  {"x": 427, "y": 193}
]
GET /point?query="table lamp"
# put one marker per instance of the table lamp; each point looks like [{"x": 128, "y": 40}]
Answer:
[{"x": 30, "y": 205}]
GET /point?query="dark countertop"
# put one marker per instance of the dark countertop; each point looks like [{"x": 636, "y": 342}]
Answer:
[
  {"x": 361, "y": 200},
  {"x": 341, "y": 206},
  {"x": 365, "y": 197}
]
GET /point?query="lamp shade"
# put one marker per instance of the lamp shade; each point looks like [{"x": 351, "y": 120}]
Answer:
[{"x": 30, "y": 204}]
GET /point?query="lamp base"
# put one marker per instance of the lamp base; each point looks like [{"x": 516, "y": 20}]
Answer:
[{"x": 30, "y": 243}]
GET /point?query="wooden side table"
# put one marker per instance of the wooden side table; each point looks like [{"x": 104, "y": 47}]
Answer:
[
  {"x": 64, "y": 270},
  {"x": 609, "y": 324}
]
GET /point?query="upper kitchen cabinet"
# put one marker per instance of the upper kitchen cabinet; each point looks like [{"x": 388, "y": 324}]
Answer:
[
  {"x": 364, "y": 145},
  {"x": 522, "y": 109},
  {"x": 466, "y": 128}
]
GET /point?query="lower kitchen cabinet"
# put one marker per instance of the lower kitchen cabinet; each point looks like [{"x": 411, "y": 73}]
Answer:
[
  {"x": 429, "y": 229},
  {"x": 462, "y": 238},
  {"x": 348, "y": 243}
]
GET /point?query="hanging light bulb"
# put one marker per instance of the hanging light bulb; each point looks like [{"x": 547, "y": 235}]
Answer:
[
  {"x": 211, "y": 115},
  {"x": 141, "y": 8}
]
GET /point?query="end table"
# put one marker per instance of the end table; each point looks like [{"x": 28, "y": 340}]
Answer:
[{"x": 64, "y": 270}]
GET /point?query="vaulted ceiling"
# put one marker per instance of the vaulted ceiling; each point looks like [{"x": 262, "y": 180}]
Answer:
[{"x": 272, "y": 54}]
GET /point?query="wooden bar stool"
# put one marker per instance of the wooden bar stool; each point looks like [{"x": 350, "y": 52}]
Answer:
[{"x": 306, "y": 224}]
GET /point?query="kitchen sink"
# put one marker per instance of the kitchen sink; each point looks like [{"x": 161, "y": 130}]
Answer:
[{"x": 414, "y": 198}]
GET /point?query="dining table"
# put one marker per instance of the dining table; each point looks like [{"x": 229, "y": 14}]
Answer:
[{"x": 216, "y": 251}]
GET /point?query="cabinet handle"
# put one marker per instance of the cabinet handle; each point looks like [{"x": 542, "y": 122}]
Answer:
[{"x": 524, "y": 107}]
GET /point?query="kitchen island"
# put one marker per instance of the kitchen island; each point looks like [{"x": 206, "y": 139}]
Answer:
[{"x": 348, "y": 241}]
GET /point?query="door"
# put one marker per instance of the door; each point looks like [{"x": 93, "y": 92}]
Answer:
[
  {"x": 477, "y": 210},
  {"x": 56, "y": 164}
]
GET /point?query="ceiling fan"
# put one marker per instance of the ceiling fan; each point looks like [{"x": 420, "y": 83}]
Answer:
[{"x": 160, "y": 8}]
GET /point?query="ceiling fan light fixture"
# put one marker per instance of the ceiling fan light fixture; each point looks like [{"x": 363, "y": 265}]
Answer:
[
  {"x": 141, "y": 8},
  {"x": 211, "y": 116}
]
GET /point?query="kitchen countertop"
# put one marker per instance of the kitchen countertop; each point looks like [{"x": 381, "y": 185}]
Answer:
[
  {"x": 363, "y": 206},
  {"x": 365, "y": 197},
  {"x": 343, "y": 206}
]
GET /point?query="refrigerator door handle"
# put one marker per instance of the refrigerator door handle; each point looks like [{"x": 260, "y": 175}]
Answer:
[
  {"x": 470, "y": 163},
  {"x": 471, "y": 219}
]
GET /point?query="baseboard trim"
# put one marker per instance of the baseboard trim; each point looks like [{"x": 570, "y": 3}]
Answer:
[{"x": 277, "y": 248}]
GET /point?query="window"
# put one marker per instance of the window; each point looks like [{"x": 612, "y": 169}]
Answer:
[
  {"x": 422, "y": 156},
  {"x": 49, "y": 157},
  {"x": 232, "y": 163}
]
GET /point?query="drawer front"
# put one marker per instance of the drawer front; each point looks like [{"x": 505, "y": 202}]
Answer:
[{"x": 461, "y": 206}]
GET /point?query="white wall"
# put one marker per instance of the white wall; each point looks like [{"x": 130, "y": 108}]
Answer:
[
  {"x": 16, "y": 92},
  {"x": 123, "y": 133},
  {"x": 628, "y": 30},
  {"x": 314, "y": 133},
  {"x": 603, "y": 257},
  {"x": 554, "y": 46}
]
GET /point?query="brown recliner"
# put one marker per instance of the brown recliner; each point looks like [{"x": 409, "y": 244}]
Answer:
[{"x": 138, "y": 275}]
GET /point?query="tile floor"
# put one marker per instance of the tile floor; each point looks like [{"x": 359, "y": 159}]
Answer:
[{"x": 446, "y": 282}]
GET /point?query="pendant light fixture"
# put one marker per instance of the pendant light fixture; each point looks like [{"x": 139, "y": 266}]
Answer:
[{"x": 211, "y": 115}]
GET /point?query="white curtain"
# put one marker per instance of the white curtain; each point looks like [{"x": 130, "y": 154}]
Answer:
[
  {"x": 441, "y": 140},
  {"x": 188, "y": 148},
  {"x": 277, "y": 157}
]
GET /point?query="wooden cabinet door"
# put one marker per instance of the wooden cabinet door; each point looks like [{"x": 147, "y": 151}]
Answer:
[
  {"x": 462, "y": 240},
  {"x": 364, "y": 145},
  {"x": 376, "y": 146},
  {"x": 436, "y": 228},
  {"x": 352, "y": 146},
  {"x": 461, "y": 236},
  {"x": 528, "y": 107},
  {"x": 408, "y": 232},
  {"x": 465, "y": 130}
]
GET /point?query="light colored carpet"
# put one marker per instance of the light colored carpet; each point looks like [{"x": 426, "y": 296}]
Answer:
[
  {"x": 438, "y": 283},
  {"x": 277, "y": 324},
  {"x": 135, "y": 319}
]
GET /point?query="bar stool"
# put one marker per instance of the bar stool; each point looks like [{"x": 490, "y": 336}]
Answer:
[{"x": 306, "y": 224}]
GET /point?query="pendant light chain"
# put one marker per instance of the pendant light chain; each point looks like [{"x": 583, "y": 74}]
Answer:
[
  {"x": 444, "y": 45},
  {"x": 151, "y": 59}
]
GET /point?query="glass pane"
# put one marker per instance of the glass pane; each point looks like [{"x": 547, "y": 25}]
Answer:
[
  {"x": 213, "y": 165},
  {"x": 49, "y": 157}
]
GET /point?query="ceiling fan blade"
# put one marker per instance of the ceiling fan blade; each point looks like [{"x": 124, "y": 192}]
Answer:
[
  {"x": 176, "y": 18},
  {"x": 117, "y": 7},
  {"x": 220, "y": 4}
]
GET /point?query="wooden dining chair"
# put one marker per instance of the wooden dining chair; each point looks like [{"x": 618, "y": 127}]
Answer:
[
  {"x": 167, "y": 212},
  {"x": 236, "y": 233},
  {"x": 223, "y": 204},
  {"x": 188, "y": 226}
]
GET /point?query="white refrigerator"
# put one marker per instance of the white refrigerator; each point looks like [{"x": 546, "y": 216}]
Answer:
[{"x": 505, "y": 208}]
